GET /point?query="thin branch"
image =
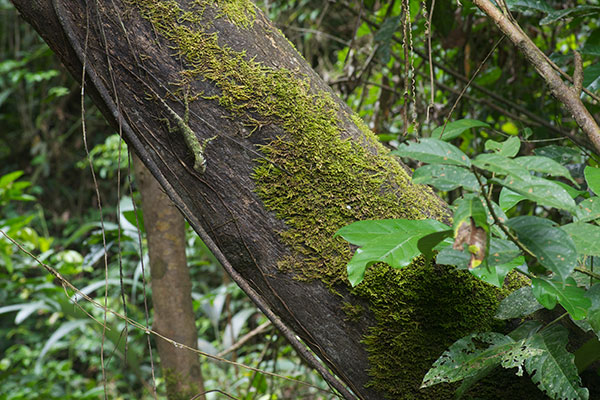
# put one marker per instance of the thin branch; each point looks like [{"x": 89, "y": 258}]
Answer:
[{"x": 567, "y": 95}]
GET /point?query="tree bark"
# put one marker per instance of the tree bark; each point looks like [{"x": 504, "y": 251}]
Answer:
[
  {"x": 171, "y": 288},
  {"x": 290, "y": 165}
]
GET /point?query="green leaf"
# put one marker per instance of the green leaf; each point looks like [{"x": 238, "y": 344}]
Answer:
[
  {"x": 588, "y": 210},
  {"x": 552, "y": 246},
  {"x": 393, "y": 241},
  {"x": 470, "y": 207},
  {"x": 508, "y": 148},
  {"x": 456, "y": 128},
  {"x": 7, "y": 179},
  {"x": 446, "y": 177},
  {"x": 593, "y": 315},
  {"x": 566, "y": 292},
  {"x": 585, "y": 236},
  {"x": 495, "y": 274},
  {"x": 573, "y": 12},
  {"x": 434, "y": 151},
  {"x": 574, "y": 193},
  {"x": 479, "y": 352},
  {"x": 541, "y": 191},
  {"x": 560, "y": 154},
  {"x": 500, "y": 164},
  {"x": 591, "y": 77},
  {"x": 553, "y": 370},
  {"x": 502, "y": 251},
  {"x": 429, "y": 242},
  {"x": 518, "y": 304},
  {"x": 544, "y": 165},
  {"x": 529, "y": 5},
  {"x": 509, "y": 199},
  {"x": 592, "y": 177},
  {"x": 457, "y": 258}
]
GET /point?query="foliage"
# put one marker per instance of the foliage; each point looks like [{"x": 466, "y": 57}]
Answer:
[{"x": 489, "y": 244}]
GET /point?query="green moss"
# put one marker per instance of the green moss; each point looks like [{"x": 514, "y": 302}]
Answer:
[
  {"x": 353, "y": 311},
  {"x": 317, "y": 182},
  {"x": 175, "y": 392}
]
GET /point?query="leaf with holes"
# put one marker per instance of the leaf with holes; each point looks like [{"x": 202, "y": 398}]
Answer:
[
  {"x": 554, "y": 370},
  {"x": 518, "y": 304},
  {"x": 476, "y": 353}
]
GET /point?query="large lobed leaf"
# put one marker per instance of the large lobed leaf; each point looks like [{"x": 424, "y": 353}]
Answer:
[{"x": 393, "y": 241}]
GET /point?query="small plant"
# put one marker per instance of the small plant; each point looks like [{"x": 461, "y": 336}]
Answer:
[{"x": 552, "y": 244}]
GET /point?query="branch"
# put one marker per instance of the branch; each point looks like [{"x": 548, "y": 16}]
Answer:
[{"x": 566, "y": 94}]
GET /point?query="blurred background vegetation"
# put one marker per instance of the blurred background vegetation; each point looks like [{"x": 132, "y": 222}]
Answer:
[{"x": 50, "y": 348}]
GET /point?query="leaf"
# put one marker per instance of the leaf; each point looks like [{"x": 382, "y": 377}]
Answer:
[
  {"x": 560, "y": 154},
  {"x": 574, "y": 193},
  {"x": 554, "y": 370},
  {"x": 471, "y": 228},
  {"x": 434, "y": 151},
  {"x": 446, "y": 177},
  {"x": 518, "y": 304},
  {"x": 429, "y": 242},
  {"x": 579, "y": 11},
  {"x": 550, "y": 291},
  {"x": 552, "y": 246},
  {"x": 588, "y": 210},
  {"x": 450, "y": 256},
  {"x": 591, "y": 77},
  {"x": 585, "y": 236},
  {"x": 593, "y": 316},
  {"x": 500, "y": 164},
  {"x": 544, "y": 165},
  {"x": 509, "y": 199},
  {"x": 502, "y": 251},
  {"x": 470, "y": 207},
  {"x": 495, "y": 274},
  {"x": 477, "y": 352},
  {"x": 541, "y": 191},
  {"x": 7, "y": 179},
  {"x": 456, "y": 128},
  {"x": 529, "y": 5},
  {"x": 393, "y": 241},
  {"x": 508, "y": 148},
  {"x": 58, "y": 334},
  {"x": 592, "y": 177}
]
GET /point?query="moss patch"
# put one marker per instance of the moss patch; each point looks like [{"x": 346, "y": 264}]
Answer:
[{"x": 317, "y": 182}]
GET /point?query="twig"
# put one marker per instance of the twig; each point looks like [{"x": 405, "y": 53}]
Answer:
[{"x": 567, "y": 95}]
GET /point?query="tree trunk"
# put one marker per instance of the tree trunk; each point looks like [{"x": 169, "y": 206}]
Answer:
[
  {"x": 290, "y": 165},
  {"x": 171, "y": 288}
]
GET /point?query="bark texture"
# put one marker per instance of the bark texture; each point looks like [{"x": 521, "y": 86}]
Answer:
[{"x": 290, "y": 165}]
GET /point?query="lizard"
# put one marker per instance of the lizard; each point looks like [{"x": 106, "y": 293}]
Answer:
[{"x": 195, "y": 145}]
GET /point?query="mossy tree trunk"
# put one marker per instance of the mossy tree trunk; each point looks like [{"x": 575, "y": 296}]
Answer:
[{"x": 289, "y": 166}]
